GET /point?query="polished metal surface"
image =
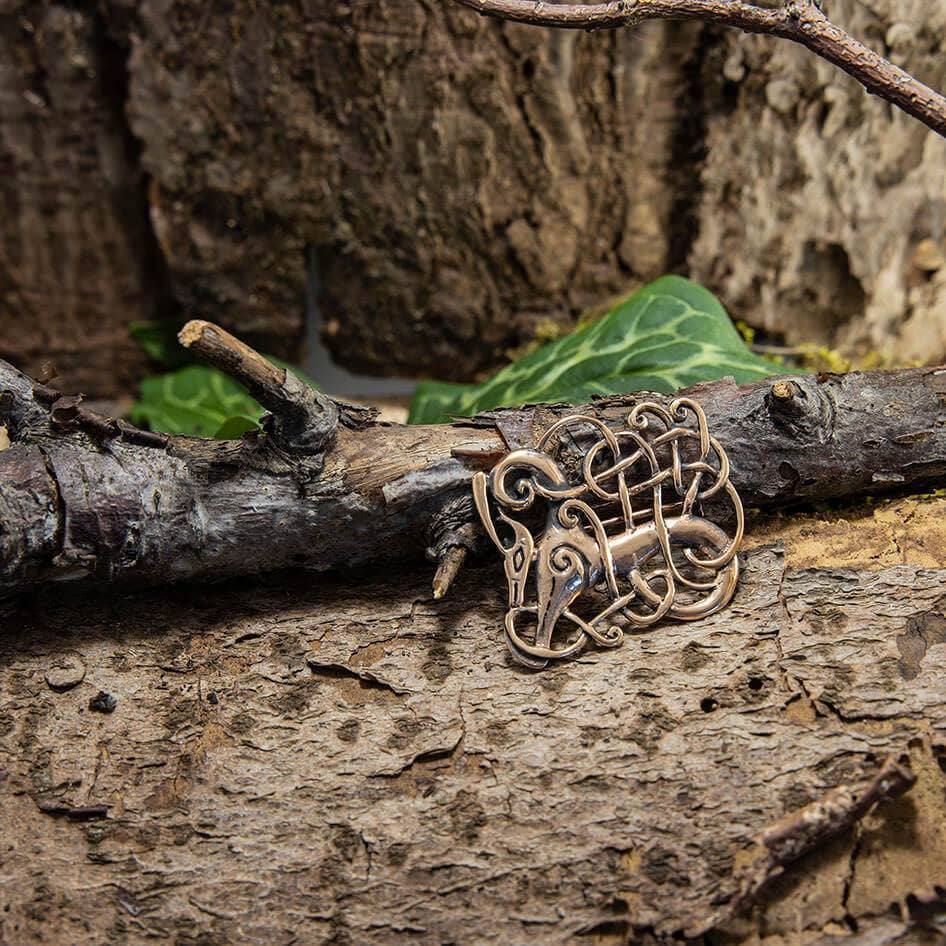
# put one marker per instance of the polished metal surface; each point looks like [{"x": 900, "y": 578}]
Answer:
[{"x": 603, "y": 531}]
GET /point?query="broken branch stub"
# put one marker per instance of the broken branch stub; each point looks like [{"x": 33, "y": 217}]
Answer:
[{"x": 302, "y": 419}]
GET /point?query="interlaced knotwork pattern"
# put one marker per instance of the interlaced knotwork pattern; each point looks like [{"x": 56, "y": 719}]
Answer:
[{"x": 609, "y": 526}]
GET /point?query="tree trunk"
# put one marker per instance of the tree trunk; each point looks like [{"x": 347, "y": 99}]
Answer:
[
  {"x": 822, "y": 210},
  {"x": 458, "y": 182},
  {"x": 328, "y": 761},
  {"x": 452, "y": 186},
  {"x": 77, "y": 262}
]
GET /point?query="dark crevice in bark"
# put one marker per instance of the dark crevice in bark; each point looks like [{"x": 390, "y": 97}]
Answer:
[
  {"x": 366, "y": 679},
  {"x": 60, "y": 502},
  {"x": 524, "y": 65},
  {"x": 849, "y": 920},
  {"x": 688, "y": 149},
  {"x": 133, "y": 203}
]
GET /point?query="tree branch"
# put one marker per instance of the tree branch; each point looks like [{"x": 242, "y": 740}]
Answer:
[
  {"x": 301, "y": 418},
  {"x": 800, "y": 21},
  {"x": 800, "y": 832},
  {"x": 83, "y": 496}
]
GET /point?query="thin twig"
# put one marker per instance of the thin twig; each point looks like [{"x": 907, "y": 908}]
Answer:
[
  {"x": 67, "y": 412},
  {"x": 302, "y": 418},
  {"x": 448, "y": 569},
  {"x": 800, "y": 21},
  {"x": 803, "y": 831}
]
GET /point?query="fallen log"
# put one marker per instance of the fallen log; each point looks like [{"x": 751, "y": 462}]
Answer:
[{"x": 324, "y": 485}]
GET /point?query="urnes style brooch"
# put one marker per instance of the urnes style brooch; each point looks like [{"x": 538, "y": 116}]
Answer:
[{"x": 603, "y": 530}]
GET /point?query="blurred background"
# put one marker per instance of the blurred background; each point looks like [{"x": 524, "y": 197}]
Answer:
[{"x": 415, "y": 191}]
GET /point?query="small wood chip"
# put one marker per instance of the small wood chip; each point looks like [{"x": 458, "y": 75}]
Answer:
[{"x": 66, "y": 672}]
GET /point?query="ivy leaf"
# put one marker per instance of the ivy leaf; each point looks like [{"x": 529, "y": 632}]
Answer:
[
  {"x": 233, "y": 428},
  {"x": 664, "y": 337},
  {"x": 195, "y": 401},
  {"x": 158, "y": 338},
  {"x": 198, "y": 401}
]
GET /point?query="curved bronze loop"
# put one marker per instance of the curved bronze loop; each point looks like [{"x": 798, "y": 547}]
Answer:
[{"x": 660, "y": 560}]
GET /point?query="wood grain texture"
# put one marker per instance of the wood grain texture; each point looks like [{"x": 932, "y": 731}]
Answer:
[
  {"x": 352, "y": 762},
  {"x": 454, "y": 183},
  {"x": 76, "y": 260}
]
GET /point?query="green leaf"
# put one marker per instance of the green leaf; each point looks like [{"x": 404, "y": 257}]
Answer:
[
  {"x": 666, "y": 336},
  {"x": 235, "y": 427},
  {"x": 197, "y": 401},
  {"x": 159, "y": 340}
]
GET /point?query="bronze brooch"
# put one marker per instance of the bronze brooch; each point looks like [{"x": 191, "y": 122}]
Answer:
[{"x": 610, "y": 525}]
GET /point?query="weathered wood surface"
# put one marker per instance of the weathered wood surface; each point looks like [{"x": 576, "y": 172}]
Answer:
[
  {"x": 820, "y": 208},
  {"x": 347, "y": 761},
  {"x": 78, "y": 259},
  {"x": 462, "y": 181},
  {"x": 452, "y": 185},
  {"x": 79, "y": 499},
  {"x": 454, "y": 181}
]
